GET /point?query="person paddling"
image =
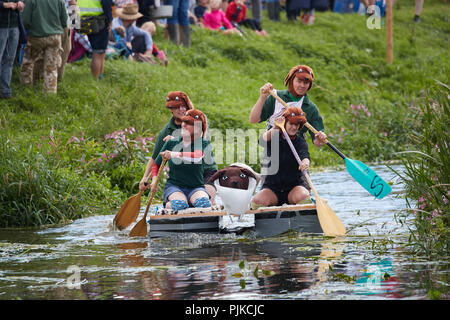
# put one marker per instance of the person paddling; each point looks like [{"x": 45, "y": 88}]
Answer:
[
  {"x": 186, "y": 154},
  {"x": 178, "y": 103},
  {"x": 288, "y": 185},
  {"x": 299, "y": 81}
]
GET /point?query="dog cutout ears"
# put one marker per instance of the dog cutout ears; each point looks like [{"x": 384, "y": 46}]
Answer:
[
  {"x": 235, "y": 186},
  {"x": 176, "y": 99}
]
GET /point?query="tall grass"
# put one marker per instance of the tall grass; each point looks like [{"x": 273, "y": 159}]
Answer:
[
  {"x": 35, "y": 190},
  {"x": 427, "y": 173}
]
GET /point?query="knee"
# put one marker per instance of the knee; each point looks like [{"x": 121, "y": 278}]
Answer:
[
  {"x": 202, "y": 202},
  {"x": 177, "y": 205}
]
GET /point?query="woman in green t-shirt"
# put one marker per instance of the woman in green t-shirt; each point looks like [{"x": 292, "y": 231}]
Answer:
[{"x": 186, "y": 154}]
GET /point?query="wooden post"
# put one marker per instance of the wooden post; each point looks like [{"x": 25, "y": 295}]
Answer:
[{"x": 389, "y": 33}]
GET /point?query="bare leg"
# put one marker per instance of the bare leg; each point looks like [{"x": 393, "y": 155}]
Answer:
[
  {"x": 264, "y": 198},
  {"x": 298, "y": 194},
  {"x": 98, "y": 60},
  {"x": 212, "y": 193}
]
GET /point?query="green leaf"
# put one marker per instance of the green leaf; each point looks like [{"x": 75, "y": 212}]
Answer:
[
  {"x": 237, "y": 275},
  {"x": 242, "y": 264},
  {"x": 255, "y": 273}
]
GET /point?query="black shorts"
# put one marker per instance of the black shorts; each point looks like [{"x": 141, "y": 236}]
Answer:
[
  {"x": 282, "y": 192},
  {"x": 207, "y": 176}
]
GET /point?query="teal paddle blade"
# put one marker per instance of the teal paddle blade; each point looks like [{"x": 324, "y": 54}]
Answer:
[{"x": 367, "y": 178}]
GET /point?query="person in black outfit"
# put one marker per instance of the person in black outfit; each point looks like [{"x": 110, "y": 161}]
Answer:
[{"x": 288, "y": 185}]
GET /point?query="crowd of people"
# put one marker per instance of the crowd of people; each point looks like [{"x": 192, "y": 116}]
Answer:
[{"x": 43, "y": 35}]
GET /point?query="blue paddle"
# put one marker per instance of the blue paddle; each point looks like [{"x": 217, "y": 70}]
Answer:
[{"x": 365, "y": 176}]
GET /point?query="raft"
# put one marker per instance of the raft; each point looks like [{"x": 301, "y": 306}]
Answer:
[{"x": 268, "y": 221}]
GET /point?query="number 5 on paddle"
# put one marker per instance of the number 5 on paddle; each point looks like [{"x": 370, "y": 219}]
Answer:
[{"x": 365, "y": 176}]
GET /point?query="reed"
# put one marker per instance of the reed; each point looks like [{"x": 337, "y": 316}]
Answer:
[{"x": 426, "y": 174}]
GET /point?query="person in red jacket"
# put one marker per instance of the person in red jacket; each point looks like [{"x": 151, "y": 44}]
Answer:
[{"x": 236, "y": 13}]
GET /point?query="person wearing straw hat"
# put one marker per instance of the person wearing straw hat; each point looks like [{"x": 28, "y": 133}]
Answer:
[
  {"x": 299, "y": 81},
  {"x": 125, "y": 17}
]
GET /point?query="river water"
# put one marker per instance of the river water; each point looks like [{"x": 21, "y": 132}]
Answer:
[{"x": 88, "y": 260}]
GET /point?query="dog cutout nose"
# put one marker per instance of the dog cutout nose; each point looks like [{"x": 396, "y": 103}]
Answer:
[{"x": 234, "y": 183}]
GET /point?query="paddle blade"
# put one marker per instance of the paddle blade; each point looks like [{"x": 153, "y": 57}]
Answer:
[
  {"x": 128, "y": 213},
  {"x": 367, "y": 178},
  {"x": 140, "y": 229},
  {"x": 330, "y": 223}
]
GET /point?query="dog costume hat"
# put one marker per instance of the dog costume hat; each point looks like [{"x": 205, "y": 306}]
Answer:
[
  {"x": 175, "y": 99},
  {"x": 302, "y": 72},
  {"x": 193, "y": 116},
  {"x": 295, "y": 115}
]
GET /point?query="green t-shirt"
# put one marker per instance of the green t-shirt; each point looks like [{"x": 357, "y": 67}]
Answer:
[
  {"x": 187, "y": 172},
  {"x": 309, "y": 108},
  {"x": 173, "y": 129}
]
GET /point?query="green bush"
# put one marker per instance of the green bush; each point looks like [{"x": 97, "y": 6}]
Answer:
[{"x": 35, "y": 190}]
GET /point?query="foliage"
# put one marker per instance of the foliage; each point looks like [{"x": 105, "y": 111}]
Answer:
[
  {"x": 35, "y": 190},
  {"x": 427, "y": 173}
]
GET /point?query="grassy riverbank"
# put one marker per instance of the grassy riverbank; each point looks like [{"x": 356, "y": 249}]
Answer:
[{"x": 365, "y": 103}]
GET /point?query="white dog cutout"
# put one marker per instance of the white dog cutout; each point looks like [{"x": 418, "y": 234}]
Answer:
[{"x": 236, "y": 202}]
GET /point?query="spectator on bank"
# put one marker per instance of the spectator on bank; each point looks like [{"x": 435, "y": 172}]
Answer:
[
  {"x": 179, "y": 21},
  {"x": 9, "y": 39},
  {"x": 216, "y": 19},
  {"x": 139, "y": 41},
  {"x": 236, "y": 13},
  {"x": 273, "y": 9},
  {"x": 418, "y": 9},
  {"x": 45, "y": 21},
  {"x": 150, "y": 27},
  {"x": 200, "y": 9},
  {"x": 66, "y": 42},
  {"x": 99, "y": 41}
]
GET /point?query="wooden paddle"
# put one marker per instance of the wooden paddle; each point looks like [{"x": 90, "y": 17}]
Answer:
[
  {"x": 140, "y": 229},
  {"x": 330, "y": 223},
  {"x": 365, "y": 176},
  {"x": 128, "y": 212}
]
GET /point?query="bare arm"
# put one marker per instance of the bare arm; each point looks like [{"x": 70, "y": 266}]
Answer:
[
  {"x": 148, "y": 171},
  {"x": 255, "y": 113}
]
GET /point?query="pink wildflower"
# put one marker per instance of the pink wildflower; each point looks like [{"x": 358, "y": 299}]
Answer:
[
  {"x": 422, "y": 206},
  {"x": 342, "y": 129},
  {"x": 339, "y": 140},
  {"x": 444, "y": 198}
]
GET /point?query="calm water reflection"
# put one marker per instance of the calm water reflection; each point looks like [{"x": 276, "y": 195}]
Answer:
[{"x": 87, "y": 260}]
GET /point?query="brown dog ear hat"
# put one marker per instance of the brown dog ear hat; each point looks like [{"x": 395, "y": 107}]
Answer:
[
  {"x": 194, "y": 115},
  {"x": 295, "y": 115},
  {"x": 175, "y": 99},
  {"x": 302, "y": 72}
]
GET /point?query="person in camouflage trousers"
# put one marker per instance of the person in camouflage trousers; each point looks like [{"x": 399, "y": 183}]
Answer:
[
  {"x": 45, "y": 21},
  {"x": 46, "y": 49}
]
